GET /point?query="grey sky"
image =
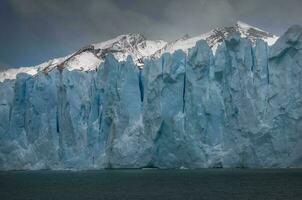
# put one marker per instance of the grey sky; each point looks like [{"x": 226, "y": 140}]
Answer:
[{"x": 33, "y": 31}]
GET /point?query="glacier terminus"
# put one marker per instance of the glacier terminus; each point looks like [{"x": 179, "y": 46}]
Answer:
[{"x": 227, "y": 99}]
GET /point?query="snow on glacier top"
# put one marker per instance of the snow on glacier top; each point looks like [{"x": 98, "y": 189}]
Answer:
[
  {"x": 139, "y": 48},
  {"x": 216, "y": 36},
  {"x": 135, "y": 45}
]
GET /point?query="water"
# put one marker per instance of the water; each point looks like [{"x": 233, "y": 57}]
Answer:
[{"x": 222, "y": 184}]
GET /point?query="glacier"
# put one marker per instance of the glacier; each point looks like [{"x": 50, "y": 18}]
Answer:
[{"x": 241, "y": 107}]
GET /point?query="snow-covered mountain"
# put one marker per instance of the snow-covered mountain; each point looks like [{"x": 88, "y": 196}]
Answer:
[
  {"x": 139, "y": 48},
  {"x": 216, "y": 36}
]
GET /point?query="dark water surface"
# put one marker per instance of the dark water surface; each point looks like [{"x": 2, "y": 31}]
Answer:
[{"x": 222, "y": 184}]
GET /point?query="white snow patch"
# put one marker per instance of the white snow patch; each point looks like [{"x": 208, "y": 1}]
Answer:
[{"x": 136, "y": 46}]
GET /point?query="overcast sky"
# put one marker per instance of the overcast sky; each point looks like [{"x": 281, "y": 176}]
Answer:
[{"x": 33, "y": 31}]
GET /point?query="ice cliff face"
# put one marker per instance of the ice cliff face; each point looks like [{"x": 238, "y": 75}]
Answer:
[{"x": 239, "y": 108}]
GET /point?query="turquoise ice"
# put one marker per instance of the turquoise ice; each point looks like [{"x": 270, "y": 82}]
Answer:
[{"x": 239, "y": 108}]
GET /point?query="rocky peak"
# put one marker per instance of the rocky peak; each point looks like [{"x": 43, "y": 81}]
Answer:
[{"x": 140, "y": 48}]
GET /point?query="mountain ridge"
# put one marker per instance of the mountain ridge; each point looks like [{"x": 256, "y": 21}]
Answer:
[{"x": 139, "y": 48}]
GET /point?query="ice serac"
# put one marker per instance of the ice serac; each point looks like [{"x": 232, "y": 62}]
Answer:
[
  {"x": 122, "y": 123},
  {"x": 239, "y": 108},
  {"x": 285, "y": 98},
  {"x": 237, "y": 79},
  {"x": 203, "y": 108},
  {"x": 164, "y": 91}
]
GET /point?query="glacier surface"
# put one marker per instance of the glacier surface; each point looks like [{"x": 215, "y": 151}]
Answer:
[{"x": 239, "y": 108}]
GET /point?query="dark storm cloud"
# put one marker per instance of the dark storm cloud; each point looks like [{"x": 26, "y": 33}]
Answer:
[
  {"x": 103, "y": 19},
  {"x": 273, "y": 15},
  {"x": 35, "y": 30}
]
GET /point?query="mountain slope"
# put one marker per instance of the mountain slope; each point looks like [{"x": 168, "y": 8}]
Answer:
[
  {"x": 139, "y": 48},
  {"x": 216, "y": 36}
]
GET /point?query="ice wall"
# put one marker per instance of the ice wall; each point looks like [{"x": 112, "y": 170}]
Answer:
[{"x": 241, "y": 108}]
